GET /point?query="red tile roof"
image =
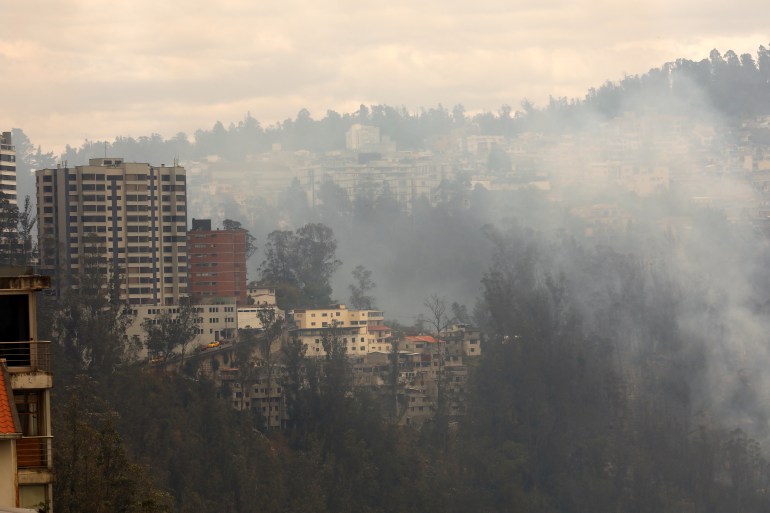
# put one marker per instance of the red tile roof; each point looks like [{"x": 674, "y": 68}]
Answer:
[
  {"x": 9, "y": 419},
  {"x": 378, "y": 328}
]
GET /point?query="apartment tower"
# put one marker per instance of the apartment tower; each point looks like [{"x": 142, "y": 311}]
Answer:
[
  {"x": 217, "y": 263},
  {"x": 122, "y": 221},
  {"x": 7, "y": 167}
]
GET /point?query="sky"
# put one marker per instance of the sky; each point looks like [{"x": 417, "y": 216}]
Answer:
[{"x": 86, "y": 69}]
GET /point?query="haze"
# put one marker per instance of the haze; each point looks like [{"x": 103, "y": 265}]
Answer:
[{"x": 80, "y": 69}]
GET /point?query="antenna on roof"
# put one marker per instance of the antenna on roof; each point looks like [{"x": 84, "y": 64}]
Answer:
[{"x": 105, "y": 149}]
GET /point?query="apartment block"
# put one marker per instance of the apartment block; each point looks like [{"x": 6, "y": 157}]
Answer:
[
  {"x": 214, "y": 322},
  {"x": 8, "y": 167},
  {"x": 217, "y": 263},
  {"x": 360, "y": 330},
  {"x": 122, "y": 220},
  {"x": 26, "y": 458}
]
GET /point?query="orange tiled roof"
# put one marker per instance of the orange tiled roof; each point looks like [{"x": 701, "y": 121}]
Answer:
[
  {"x": 378, "y": 328},
  {"x": 422, "y": 338},
  {"x": 9, "y": 420}
]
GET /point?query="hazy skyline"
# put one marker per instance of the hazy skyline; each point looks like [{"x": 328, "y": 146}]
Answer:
[{"x": 80, "y": 69}]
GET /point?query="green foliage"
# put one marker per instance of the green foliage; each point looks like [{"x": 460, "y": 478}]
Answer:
[
  {"x": 94, "y": 472},
  {"x": 89, "y": 322},
  {"x": 169, "y": 331},
  {"x": 359, "y": 290},
  {"x": 17, "y": 246},
  {"x": 251, "y": 241},
  {"x": 300, "y": 264}
]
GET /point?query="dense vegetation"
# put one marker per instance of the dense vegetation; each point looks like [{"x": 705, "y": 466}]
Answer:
[{"x": 574, "y": 406}]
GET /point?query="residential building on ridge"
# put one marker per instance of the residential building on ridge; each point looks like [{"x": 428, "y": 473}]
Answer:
[{"x": 353, "y": 327}]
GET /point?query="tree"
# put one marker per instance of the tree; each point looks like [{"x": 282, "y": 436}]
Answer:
[
  {"x": 272, "y": 329},
  {"x": 94, "y": 471},
  {"x": 359, "y": 299},
  {"x": 300, "y": 265},
  {"x": 170, "y": 330},
  {"x": 438, "y": 319},
  {"x": 294, "y": 359},
  {"x": 91, "y": 322},
  {"x": 251, "y": 241},
  {"x": 9, "y": 217},
  {"x": 316, "y": 247},
  {"x": 26, "y": 224},
  {"x": 279, "y": 268}
]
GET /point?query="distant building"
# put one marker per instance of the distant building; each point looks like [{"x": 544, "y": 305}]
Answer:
[
  {"x": 215, "y": 321},
  {"x": 26, "y": 457},
  {"x": 8, "y": 167},
  {"x": 362, "y": 138},
  {"x": 126, "y": 221},
  {"x": 462, "y": 340},
  {"x": 217, "y": 263},
  {"x": 261, "y": 296}
]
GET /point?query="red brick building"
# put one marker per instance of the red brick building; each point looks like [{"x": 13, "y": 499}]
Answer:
[{"x": 217, "y": 263}]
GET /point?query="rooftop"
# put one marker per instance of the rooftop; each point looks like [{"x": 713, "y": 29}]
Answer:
[
  {"x": 10, "y": 427},
  {"x": 422, "y": 338}
]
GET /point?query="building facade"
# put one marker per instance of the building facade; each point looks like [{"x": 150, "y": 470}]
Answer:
[
  {"x": 8, "y": 167},
  {"x": 214, "y": 322},
  {"x": 217, "y": 261},
  {"x": 28, "y": 364},
  {"x": 353, "y": 327},
  {"x": 125, "y": 221}
]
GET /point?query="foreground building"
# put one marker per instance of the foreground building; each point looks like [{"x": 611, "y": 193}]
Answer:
[
  {"x": 126, "y": 221},
  {"x": 26, "y": 459}
]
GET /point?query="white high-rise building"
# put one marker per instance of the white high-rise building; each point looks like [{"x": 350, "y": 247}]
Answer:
[
  {"x": 129, "y": 220},
  {"x": 8, "y": 167}
]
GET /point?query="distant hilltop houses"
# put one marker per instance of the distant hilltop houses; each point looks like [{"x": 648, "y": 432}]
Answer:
[{"x": 643, "y": 155}]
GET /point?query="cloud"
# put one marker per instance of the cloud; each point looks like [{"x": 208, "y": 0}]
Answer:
[{"x": 141, "y": 67}]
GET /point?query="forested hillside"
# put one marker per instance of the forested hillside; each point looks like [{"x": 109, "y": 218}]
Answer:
[{"x": 594, "y": 393}]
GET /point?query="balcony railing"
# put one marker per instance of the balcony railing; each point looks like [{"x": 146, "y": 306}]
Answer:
[
  {"x": 34, "y": 451},
  {"x": 27, "y": 355}
]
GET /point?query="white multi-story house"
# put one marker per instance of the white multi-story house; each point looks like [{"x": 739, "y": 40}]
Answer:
[{"x": 360, "y": 330}]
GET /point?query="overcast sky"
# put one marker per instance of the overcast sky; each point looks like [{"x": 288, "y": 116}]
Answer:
[{"x": 77, "y": 69}]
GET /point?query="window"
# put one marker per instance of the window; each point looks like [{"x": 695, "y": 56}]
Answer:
[{"x": 28, "y": 405}]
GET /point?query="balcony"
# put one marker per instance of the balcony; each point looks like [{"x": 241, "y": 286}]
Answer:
[
  {"x": 34, "y": 452},
  {"x": 26, "y": 356}
]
